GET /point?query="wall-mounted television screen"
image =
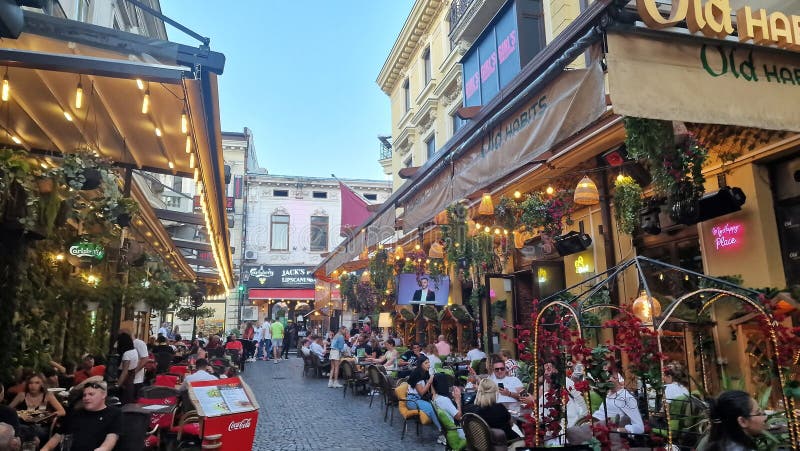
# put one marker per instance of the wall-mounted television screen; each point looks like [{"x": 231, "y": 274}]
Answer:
[{"x": 423, "y": 290}]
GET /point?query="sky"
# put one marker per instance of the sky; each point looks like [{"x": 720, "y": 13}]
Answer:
[{"x": 301, "y": 76}]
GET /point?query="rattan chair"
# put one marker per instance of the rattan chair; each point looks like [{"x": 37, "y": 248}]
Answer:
[
  {"x": 350, "y": 378},
  {"x": 374, "y": 378},
  {"x": 480, "y": 437}
]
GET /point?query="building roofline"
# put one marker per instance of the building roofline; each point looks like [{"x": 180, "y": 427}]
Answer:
[{"x": 403, "y": 49}]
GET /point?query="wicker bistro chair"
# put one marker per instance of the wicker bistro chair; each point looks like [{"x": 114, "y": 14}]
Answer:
[
  {"x": 374, "y": 378},
  {"x": 408, "y": 409},
  {"x": 350, "y": 377},
  {"x": 480, "y": 437},
  {"x": 390, "y": 398}
]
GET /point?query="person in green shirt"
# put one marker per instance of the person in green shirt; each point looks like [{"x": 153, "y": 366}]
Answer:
[{"x": 277, "y": 339}]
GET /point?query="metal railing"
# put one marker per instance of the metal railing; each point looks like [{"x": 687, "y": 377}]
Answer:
[
  {"x": 385, "y": 149},
  {"x": 458, "y": 9}
]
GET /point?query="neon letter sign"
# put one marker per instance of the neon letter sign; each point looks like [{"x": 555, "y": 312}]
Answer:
[{"x": 728, "y": 236}]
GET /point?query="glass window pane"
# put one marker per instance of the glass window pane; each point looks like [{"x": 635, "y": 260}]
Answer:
[
  {"x": 280, "y": 233},
  {"x": 319, "y": 233}
]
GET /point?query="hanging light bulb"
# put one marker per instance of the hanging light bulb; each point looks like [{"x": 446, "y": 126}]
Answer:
[
  {"x": 16, "y": 140},
  {"x": 191, "y": 161},
  {"x": 6, "y": 93},
  {"x": 550, "y": 190},
  {"x": 416, "y": 247},
  {"x": 67, "y": 116},
  {"x": 399, "y": 254},
  {"x": 188, "y": 144},
  {"x": 620, "y": 177},
  {"x": 146, "y": 102},
  {"x": 517, "y": 194},
  {"x": 184, "y": 123},
  {"x": 79, "y": 96},
  {"x": 642, "y": 310},
  {"x": 158, "y": 132},
  {"x": 171, "y": 165},
  {"x": 586, "y": 192}
]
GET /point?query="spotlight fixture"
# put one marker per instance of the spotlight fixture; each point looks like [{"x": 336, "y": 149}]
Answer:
[{"x": 572, "y": 242}]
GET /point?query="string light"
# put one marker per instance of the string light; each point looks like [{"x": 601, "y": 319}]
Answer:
[
  {"x": 16, "y": 140},
  {"x": 188, "y": 144},
  {"x": 550, "y": 190},
  {"x": 184, "y": 123},
  {"x": 6, "y": 92},
  {"x": 517, "y": 194},
  {"x": 191, "y": 161},
  {"x": 171, "y": 165},
  {"x": 67, "y": 116},
  {"x": 146, "y": 102},
  {"x": 79, "y": 96},
  {"x": 140, "y": 84},
  {"x": 158, "y": 132}
]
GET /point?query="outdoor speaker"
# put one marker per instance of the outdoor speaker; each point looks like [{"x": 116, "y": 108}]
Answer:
[
  {"x": 572, "y": 242},
  {"x": 726, "y": 200},
  {"x": 649, "y": 221}
]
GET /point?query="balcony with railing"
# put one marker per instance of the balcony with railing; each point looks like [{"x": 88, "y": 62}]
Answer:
[
  {"x": 385, "y": 153},
  {"x": 469, "y": 17}
]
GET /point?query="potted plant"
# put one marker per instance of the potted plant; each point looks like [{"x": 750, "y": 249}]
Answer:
[
  {"x": 547, "y": 212},
  {"x": 124, "y": 210},
  {"x": 627, "y": 204},
  {"x": 82, "y": 169}
]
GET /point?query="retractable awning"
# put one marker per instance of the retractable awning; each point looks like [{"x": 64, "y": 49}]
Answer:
[{"x": 177, "y": 132}]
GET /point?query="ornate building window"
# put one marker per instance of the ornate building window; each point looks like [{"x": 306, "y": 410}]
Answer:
[
  {"x": 319, "y": 233},
  {"x": 279, "y": 233}
]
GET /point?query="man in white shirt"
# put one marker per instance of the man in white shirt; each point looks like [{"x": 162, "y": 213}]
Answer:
[
  {"x": 266, "y": 331},
  {"x": 144, "y": 354},
  {"x": 619, "y": 404},
  {"x": 258, "y": 338},
  {"x": 200, "y": 375},
  {"x": 509, "y": 387},
  {"x": 317, "y": 348},
  {"x": 164, "y": 330},
  {"x": 475, "y": 353}
]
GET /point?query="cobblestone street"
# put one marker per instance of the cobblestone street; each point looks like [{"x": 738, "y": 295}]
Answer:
[{"x": 302, "y": 413}]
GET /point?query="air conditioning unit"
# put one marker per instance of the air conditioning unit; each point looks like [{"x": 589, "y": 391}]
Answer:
[
  {"x": 250, "y": 313},
  {"x": 250, "y": 255}
]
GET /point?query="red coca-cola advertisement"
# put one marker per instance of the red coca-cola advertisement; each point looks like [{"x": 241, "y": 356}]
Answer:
[{"x": 227, "y": 407}]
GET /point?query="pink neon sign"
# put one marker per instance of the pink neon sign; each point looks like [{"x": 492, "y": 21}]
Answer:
[{"x": 728, "y": 235}]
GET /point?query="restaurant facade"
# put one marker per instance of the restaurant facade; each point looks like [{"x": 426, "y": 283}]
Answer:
[{"x": 575, "y": 111}]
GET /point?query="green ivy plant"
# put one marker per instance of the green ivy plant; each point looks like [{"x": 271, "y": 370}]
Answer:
[{"x": 627, "y": 204}]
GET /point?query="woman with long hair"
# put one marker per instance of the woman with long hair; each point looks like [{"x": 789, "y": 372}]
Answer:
[
  {"x": 35, "y": 397},
  {"x": 419, "y": 388},
  {"x": 127, "y": 368},
  {"x": 337, "y": 350},
  {"x": 736, "y": 420},
  {"x": 495, "y": 414}
]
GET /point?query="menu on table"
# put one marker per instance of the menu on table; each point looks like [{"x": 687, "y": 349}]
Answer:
[{"x": 222, "y": 399}]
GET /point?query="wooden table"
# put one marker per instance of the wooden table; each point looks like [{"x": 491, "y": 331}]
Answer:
[{"x": 35, "y": 416}]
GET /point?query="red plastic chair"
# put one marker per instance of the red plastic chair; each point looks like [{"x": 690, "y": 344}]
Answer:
[
  {"x": 166, "y": 380},
  {"x": 158, "y": 421},
  {"x": 180, "y": 370}
]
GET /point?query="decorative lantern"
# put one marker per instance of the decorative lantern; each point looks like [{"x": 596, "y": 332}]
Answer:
[
  {"x": 365, "y": 277},
  {"x": 642, "y": 307},
  {"x": 436, "y": 250},
  {"x": 399, "y": 254},
  {"x": 364, "y": 254},
  {"x": 487, "y": 207},
  {"x": 586, "y": 192},
  {"x": 441, "y": 218}
]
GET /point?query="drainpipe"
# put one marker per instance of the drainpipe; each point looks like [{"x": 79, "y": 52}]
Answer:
[{"x": 608, "y": 236}]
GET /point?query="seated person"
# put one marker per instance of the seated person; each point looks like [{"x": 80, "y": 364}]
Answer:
[
  {"x": 486, "y": 406},
  {"x": 234, "y": 344},
  {"x": 389, "y": 358},
  {"x": 317, "y": 348},
  {"x": 304, "y": 347},
  {"x": 442, "y": 398},
  {"x": 7, "y": 414},
  {"x": 475, "y": 353},
  {"x": 409, "y": 360},
  {"x": 162, "y": 346},
  {"x": 201, "y": 374},
  {"x": 620, "y": 405},
  {"x": 509, "y": 387},
  {"x": 8, "y": 441},
  {"x": 432, "y": 353},
  {"x": 83, "y": 371},
  {"x": 95, "y": 427}
]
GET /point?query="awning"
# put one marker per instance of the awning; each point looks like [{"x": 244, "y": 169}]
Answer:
[
  {"x": 281, "y": 293},
  {"x": 178, "y": 133}
]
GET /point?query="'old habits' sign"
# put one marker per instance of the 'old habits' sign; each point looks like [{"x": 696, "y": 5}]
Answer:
[{"x": 713, "y": 19}]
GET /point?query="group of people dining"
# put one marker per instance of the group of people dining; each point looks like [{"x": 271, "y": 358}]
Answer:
[
  {"x": 502, "y": 400},
  {"x": 79, "y": 403}
]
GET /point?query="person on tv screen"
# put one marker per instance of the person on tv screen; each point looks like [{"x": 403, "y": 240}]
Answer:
[{"x": 424, "y": 295}]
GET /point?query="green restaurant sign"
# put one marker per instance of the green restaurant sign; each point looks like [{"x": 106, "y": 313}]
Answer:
[{"x": 85, "y": 253}]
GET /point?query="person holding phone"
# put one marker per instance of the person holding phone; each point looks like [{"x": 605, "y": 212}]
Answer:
[{"x": 508, "y": 387}]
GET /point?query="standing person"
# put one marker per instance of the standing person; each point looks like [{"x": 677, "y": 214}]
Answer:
[
  {"x": 277, "y": 339},
  {"x": 735, "y": 422},
  {"x": 95, "y": 427},
  {"x": 127, "y": 367},
  {"x": 247, "y": 336},
  {"x": 337, "y": 348},
  {"x": 267, "y": 331},
  {"x": 144, "y": 355},
  {"x": 258, "y": 339},
  {"x": 475, "y": 353},
  {"x": 289, "y": 339},
  {"x": 164, "y": 329}
]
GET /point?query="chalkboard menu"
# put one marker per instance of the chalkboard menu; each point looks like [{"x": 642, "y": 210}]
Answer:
[{"x": 789, "y": 229}]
